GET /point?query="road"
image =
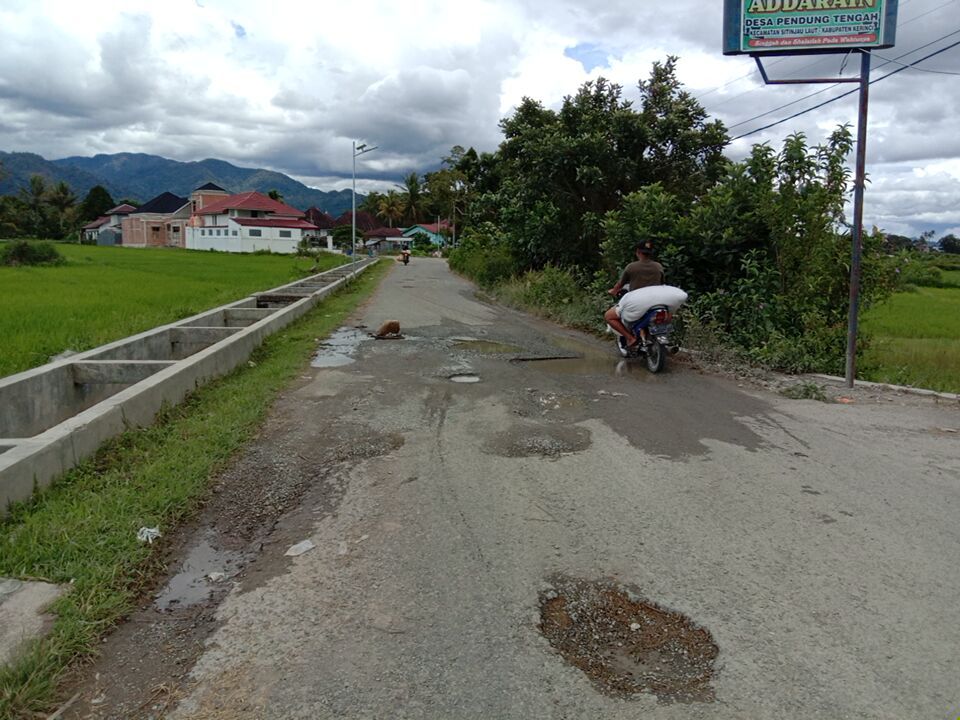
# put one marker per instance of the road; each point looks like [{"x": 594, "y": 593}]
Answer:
[{"x": 816, "y": 543}]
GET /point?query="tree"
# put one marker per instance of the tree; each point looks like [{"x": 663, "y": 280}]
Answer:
[
  {"x": 390, "y": 208},
  {"x": 561, "y": 172},
  {"x": 412, "y": 198},
  {"x": 275, "y": 195},
  {"x": 96, "y": 203},
  {"x": 949, "y": 244}
]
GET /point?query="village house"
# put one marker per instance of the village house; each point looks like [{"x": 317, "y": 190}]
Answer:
[
  {"x": 435, "y": 232},
  {"x": 106, "y": 229},
  {"x": 161, "y": 222},
  {"x": 324, "y": 222},
  {"x": 385, "y": 239},
  {"x": 244, "y": 223}
]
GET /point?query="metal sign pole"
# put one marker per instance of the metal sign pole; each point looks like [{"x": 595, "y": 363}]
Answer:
[{"x": 857, "y": 233}]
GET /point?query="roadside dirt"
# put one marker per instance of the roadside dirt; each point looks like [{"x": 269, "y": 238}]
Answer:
[{"x": 237, "y": 539}]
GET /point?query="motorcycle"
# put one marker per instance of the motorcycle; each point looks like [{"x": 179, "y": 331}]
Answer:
[
  {"x": 658, "y": 323},
  {"x": 406, "y": 258}
]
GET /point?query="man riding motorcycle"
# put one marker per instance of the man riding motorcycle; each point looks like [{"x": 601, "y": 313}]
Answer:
[{"x": 643, "y": 272}]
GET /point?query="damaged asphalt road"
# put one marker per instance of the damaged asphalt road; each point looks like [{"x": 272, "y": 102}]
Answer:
[{"x": 499, "y": 534}]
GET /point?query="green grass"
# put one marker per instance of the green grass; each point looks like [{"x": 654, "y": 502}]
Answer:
[
  {"x": 106, "y": 293},
  {"x": 82, "y": 530},
  {"x": 915, "y": 338}
]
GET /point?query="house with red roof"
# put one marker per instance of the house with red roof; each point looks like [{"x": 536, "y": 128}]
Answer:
[
  {"x": 246, "y": 222},
  {"x": 325, "y": 224}
]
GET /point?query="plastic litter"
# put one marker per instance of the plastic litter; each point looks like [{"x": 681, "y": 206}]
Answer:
[
  {"x": 148, "y": 535},
  {"x": 300, "y": 548},
  {"x": 217, "y": 576}
]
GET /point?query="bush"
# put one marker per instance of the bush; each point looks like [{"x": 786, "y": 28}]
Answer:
[
  {"x": 23, "y": 252},
  {"x": 914, "y": 271}
]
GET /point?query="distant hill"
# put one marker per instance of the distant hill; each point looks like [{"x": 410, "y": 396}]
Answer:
[
  {"x": 17, "y": 168},
  {"x": 142, "y": 177}
]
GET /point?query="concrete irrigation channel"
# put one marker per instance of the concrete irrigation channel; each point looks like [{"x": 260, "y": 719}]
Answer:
[{"x": 54, "y": 416}]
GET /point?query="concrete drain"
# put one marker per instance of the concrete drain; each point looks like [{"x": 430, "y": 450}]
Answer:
[
  {"x": 464, "y": 378},
  {"x": 627, "y": 645}
]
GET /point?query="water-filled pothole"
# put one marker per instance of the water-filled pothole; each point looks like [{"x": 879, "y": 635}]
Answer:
[
  {"x": 339, "y": 348},
  {"x": 625, "y": 644},
  {"x": 484, "y": 346},
  {"x": 203, "y": 567},
  {"x": 464, "y": 378}
]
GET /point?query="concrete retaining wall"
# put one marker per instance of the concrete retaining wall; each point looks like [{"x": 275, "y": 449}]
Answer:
[{"x": 54, "y": 416}]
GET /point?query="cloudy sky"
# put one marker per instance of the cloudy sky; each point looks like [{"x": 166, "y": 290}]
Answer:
[{"x": 287, "y": 85}]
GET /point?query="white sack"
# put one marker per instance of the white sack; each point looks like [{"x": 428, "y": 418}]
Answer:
[{"x": 635, "y": 303}]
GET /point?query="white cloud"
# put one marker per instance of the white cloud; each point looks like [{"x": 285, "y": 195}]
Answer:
[{"x": 288, "y": 85}]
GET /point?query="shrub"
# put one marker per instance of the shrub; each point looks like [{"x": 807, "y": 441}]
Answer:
[{"x": 23, "y": 252}]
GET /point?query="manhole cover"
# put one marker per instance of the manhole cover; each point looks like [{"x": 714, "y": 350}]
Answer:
[
  {"x": 464, "y": 378},
  {"x": 625, "y": 644}
]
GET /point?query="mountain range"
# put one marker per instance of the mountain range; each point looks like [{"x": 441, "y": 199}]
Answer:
[{"x": 141, "y": 177}]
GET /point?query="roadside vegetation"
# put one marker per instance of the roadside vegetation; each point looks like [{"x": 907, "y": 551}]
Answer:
[
  {"x": 82, "y": 531},
  {"x": 99, "y": 294},
  {"x": 762, "y": 246}
]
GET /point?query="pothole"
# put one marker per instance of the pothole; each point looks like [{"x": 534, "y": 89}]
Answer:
[
  {"x": 484, "y": 346},
  {"x": 548, "y": 441},
  {"x": 338, "y": 349},
  {"x": 464, "y": 378},
  {"x": 625, "y": 644},
  {"x": 203, "y": 567}
]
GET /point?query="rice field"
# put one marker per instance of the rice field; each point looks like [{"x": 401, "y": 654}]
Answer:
[
  {"x": 915, "y": 338},
  {"x": 105, "y": 293}
]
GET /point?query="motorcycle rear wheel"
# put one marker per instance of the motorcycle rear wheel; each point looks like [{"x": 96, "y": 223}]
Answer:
[{"x": 656, "y": 357}]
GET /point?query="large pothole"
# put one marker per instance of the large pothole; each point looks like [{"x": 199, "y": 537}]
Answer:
[{"x": 627, "y": 645}]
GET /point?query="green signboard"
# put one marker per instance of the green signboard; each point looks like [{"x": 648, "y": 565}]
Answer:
[{"x": 789, "y": 26}]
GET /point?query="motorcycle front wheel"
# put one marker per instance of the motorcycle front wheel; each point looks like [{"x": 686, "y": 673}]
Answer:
[{"x": 656, "y": 357}]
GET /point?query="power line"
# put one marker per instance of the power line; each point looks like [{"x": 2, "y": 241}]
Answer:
[
  {"x": 851, "y": 92},
  {"x": 918, "y": 69},
  {"x": 830, "y": 87},
  {"x": 807, "y": 66}
]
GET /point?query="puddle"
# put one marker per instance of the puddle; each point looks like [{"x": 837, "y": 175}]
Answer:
[
  {"x": 548, "y": 441},
  {"x": 338, "y": 349},
  {"x": 466, "y": 379},
  {"x": 627, "y": 645},
  {"x": 192, "y": 584},
  {"x": 587, "y": 365},
  {"x": 484, "y": 346}
]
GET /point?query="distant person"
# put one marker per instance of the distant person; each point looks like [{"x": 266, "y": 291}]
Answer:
[{"x": 642, "y": 272}]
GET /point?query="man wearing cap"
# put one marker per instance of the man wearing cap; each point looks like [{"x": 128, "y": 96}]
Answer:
[{"x": 643, "y": 272}]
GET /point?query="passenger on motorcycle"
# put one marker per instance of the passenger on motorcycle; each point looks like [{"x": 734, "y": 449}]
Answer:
[{"x": 643, "y": 272}]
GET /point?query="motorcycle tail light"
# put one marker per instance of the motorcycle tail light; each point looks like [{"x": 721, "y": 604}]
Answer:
[{"x": 662, "y": 316}]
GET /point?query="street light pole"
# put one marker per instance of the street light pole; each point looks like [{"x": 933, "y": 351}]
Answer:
[{"x": 358, "y": 150}]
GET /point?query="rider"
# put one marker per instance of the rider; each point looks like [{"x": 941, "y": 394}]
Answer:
[{"x": 643, "y": 272}]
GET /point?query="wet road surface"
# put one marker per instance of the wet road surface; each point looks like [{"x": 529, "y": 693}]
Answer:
[{"x": 446, "y": 481}]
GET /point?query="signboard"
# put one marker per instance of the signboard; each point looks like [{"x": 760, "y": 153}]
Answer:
[{"x": 756, "y": 27}]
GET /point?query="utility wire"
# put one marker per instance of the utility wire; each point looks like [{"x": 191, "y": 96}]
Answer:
[
  {"x": 830, "y": 87},
  {"x": 850, "y": 92},
  {"x": 807, "y": 66},
  {"x": 919, "y": 69}
]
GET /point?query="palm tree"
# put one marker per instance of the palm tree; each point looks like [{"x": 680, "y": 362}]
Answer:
[
  {"x": 412, "y": 198},
  {"x": 390, "y": 207},
  {"x": 275, "y": 195}
]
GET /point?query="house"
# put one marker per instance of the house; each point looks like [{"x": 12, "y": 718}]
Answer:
[
  {"x": 385, "y": 239},
  {"x": 324, "y": 223},
  {"x": 161, "y": 222},
  {"x": 246, "y": 222},
  {"x": 436, "y": 232},
  {"x": 365, "y": 221},
  {"x": 92, "y": 232}
]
